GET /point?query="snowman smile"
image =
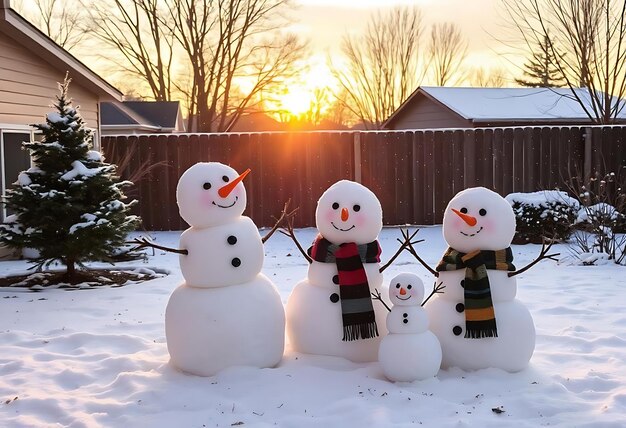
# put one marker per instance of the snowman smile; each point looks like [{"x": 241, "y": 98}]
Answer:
[
  {"x": 343, "y": 230},
  {"x": 407, "y": 298},
  {"x": 226, "y": 206},
  {"x": 471, "y": 234}
]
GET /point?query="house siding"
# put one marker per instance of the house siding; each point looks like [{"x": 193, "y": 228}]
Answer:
[
  {"x": 424, "y": 113},
  {"x": 28, "y": 86}
]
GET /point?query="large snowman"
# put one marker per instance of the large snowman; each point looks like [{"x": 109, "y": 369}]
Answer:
[
  {"x": 476, "y": 317},
  {"x": 410, "y": 351},
  {"x": 226, "y": 313},
  {"x": 331, "y": 312}
]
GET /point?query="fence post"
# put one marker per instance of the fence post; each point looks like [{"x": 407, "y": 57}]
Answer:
[
  {"x": 587, "y": 155},
  {"x": 357, "y": 157}
]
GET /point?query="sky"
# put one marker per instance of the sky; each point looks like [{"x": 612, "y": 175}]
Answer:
[{"x": 324, "y": 22}]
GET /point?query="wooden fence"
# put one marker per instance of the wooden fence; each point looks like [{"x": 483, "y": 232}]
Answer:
[{"x": 413, "y": 173}]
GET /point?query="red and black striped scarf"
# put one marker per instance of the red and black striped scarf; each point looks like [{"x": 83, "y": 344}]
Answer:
[
  {"x": 480, "y": 317},
  {"x": 359, "y": 320}
]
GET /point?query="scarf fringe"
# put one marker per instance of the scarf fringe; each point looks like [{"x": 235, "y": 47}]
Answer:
[
  {"x": 480, "y": 334},
  {"x": 366, "y": 330}
]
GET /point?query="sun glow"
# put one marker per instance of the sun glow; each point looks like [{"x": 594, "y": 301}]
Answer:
[{"x": 311, "y": 91}]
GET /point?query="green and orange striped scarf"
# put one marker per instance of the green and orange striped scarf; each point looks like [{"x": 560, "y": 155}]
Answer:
[{"x": 480, "y": 317}]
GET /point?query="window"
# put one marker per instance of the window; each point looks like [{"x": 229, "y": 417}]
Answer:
[{"x": 13, "y": 159}]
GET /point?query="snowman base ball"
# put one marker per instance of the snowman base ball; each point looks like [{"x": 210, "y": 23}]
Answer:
[
  {"x": 410, "y": 357},
  {"x": 210, "y": 329}
]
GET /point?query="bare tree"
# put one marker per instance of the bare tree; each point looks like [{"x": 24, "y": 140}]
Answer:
[
  {"x": 446, "y": 53},
  {"x": 592, "y": 37},
  {"x": 227, "y": 40},
  {"x": 134, "y": 29},
  {"x": 487, "y": 78},
  {"x": 382, "y": 66},
  {"x": 58, "y": 19}
]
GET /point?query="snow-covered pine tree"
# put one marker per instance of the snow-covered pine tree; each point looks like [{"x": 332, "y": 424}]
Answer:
[
  {"x": 69, "y": 205},
  {"x": 541, "y": 70}
]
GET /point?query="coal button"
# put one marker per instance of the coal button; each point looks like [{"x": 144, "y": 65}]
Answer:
[
  {"x": 405, "y": 321},
  {"x": 232, "y": 240},
  {"x": 334, "y": 297},
  {"x": 235, "y": 262},
  {"x": 463, "y": 283},
  {"x": 405, "y": 315},
  {"x": 460, "y": 307},
  {"x": 457, "y": 330},
  {"x": 336, "y": 279}
]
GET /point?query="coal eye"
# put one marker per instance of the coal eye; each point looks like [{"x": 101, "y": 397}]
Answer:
[
  {"x": 463, "y": 210},
  {"x": 398, "y": 285},
  {"x": 226, "y": 179},
  {"x": 206, "y": 186},
  {"x": 408, "y": 287},
  {"x": 335, "y": 206},
  {"x": 482, "y": 212},
  {"x": 356, "y": 208}
]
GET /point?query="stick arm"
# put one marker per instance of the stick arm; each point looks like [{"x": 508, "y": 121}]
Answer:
[
  {"x": 542, "y": 255},
  {"x": 290, "y": 233},
  {"x": 411, "y": 250},
  {"x": 377, "y": 296},
  {"x": 283, "y": 214},
  {"x": 403, "y": 245},
  {"x": 437, "y": 289},
  {"x": 144, "y": 242}
]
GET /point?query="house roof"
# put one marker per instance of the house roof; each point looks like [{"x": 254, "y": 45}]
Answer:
[
  {"x": 507, "y": 104},
  {"x": 156, "y": 115},
  {"x": 30, "y": 37}
]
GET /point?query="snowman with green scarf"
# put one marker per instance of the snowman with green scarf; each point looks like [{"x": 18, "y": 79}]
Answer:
[{"x": 475, "y": 313}]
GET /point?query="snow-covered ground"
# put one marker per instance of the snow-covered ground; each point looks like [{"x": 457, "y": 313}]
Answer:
[{"x": 98, "y": 358}]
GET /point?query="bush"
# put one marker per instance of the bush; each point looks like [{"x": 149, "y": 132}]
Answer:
[
  {"x": 543, "y": 215},
  {"x": 601, "y": 221}
]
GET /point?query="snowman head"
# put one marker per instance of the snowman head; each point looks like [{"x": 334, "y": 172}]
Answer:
[
  {"x": 406, "y": 289},
  {"x": 478, "y": 219},
  {"x": 210, "y": 193},
  {"x": 349, "y": 212}
]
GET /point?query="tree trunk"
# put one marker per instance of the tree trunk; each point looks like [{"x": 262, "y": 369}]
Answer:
[{"x": 71, "y": 270}]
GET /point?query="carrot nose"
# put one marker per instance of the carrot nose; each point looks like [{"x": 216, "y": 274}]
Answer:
[
  {"x": 224, "y": 191},
  {"x": 471, "y": 221},
  {"x": 402, "y": 291},
  {"x": 344, "y": 214}
]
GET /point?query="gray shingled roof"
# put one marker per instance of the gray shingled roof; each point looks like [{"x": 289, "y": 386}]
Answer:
[{"x": 162, "y": 114}]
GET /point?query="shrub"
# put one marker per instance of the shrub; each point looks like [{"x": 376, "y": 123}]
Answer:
[{"x": 543, "y": 215}]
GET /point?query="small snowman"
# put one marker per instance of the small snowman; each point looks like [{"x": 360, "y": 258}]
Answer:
[
  {"x": 474, "y": 312},
  {"x": 331, "y": 312},
  {"x": 226, "y": 313},
  {"x": 410, "y": 351}
]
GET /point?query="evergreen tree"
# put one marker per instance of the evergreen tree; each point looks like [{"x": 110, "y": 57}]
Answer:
[
  {"x": 69, "y": 205},
  {"x": 541, "y": 69}
]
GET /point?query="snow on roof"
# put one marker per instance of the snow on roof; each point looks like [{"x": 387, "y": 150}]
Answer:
[{"x": 513, "y": 103}]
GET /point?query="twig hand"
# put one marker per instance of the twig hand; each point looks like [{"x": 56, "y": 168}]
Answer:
[
  {"x": 403, "y": 244},
  {"x": 144, "y": 242},
  {"x": 284, "y": 214},
  {"x": 409, "y": 247},
  {"x": 377, "y": 296},
  {"x": 542, "y": 255},
  {"x": 437, "y": 289},
  {"x": 289, "y": 231}
]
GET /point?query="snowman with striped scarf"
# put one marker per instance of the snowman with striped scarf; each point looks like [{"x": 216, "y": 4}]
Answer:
[
  {"x": 475, "y": 313},
  {"x": 331, "y": 312}
]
